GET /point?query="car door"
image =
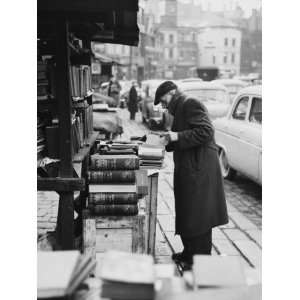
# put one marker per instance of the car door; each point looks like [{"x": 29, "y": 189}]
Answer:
[
  {"x": 235, "y": 148},
  {"x": 252, "y": 137}
]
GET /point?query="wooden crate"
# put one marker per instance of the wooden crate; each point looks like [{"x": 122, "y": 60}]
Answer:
[{"x": 125, "y": 233}]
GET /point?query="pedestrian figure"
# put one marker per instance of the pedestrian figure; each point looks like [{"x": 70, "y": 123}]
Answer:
[
  {"x": 114, "y": 89},
  {"x": 133, "y": 101},
  {"x": 198, "y": 184}
]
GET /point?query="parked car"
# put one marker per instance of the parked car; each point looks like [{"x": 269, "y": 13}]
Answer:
[
  {"x": 152, "y": 115},
  {"x": 213, "y": 95},
  {"x": 238, "y": 136},
  {"x": 233, "y": 86}
]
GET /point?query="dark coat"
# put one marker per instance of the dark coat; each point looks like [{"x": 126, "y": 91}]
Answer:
[
  {"x": 198, "y": 184},
  {"x": 132, "y": 100}
]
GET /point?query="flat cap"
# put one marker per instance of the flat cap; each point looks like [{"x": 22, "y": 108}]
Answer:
[{"x": 163, "y": 89}]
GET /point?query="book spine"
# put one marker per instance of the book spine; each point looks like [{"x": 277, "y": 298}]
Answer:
[
  {"x": 115, "y": 210},
  {"x": 111, "y": 177},
  {"x": 114, "y": 163},
  {"x": 112, "y": 198}
]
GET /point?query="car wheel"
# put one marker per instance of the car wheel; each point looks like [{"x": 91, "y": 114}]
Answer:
[{"x": 226, "y": 170}]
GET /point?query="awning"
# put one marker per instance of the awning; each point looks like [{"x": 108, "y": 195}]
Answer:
[
  {"x": 107, "y": 21},
  {"x": 106, "y": 60}
]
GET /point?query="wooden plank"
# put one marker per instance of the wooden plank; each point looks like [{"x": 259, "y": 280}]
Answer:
[
  {"x": 142, "y": 182},
  {"x": 153, "y": 184},
  {"x": 225, "y": 247},
  {"x": 89, "y": 237},
  {"x": 255, "y": 234},
  {"x": 60, "y": 184},
  {"x": 174, "y": 241},
  {"x": 65, "y": 221},
  {"x": 114, "y": 239},
  {"x": 138, "y": 235},
  {"x": 251, "y": 251}
]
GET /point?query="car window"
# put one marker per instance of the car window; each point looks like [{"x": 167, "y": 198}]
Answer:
[
  {"x": 240, "y": 110},
  {"x": 256, "y": 111},
  {"x": 217, "y": 96}
]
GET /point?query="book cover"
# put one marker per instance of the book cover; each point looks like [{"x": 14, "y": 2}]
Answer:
[
  {"x": 112, "y": 198},
  {"x": 114, "y": 176},
  {"x": 114, "y": 162},
  {"x": 114, "y": 209},
  {"x": 112, "y": 188}
]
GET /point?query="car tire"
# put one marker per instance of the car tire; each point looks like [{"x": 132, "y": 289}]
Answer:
[{"x": 226, "y": 170}]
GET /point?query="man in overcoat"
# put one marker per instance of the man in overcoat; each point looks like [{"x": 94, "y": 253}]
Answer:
[
  {"x": 133, "y": 101},
  {"x": 200, "y": 202}
]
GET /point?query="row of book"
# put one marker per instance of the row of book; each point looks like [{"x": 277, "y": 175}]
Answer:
[
  {"x": 112, "y": 185},
  {"x": 45, "y": 80},
  {"x": 80, "y": 80},
  {"x": 150, "y": 156},
  {"x": 41, "y": 141},
  {"x": 81, "y": 129}
]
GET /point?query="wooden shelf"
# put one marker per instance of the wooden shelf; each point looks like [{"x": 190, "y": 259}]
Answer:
[{"x": 83, "y": 152}]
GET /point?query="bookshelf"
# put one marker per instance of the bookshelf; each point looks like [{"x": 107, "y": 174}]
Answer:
[{"x": 65, "y": 31}]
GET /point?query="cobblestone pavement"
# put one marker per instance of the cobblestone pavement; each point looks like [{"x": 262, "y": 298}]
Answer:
[{"x": 240, "y": 237}]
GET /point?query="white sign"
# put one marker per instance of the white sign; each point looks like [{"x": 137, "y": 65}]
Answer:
[{"x": 96, "y": 68}]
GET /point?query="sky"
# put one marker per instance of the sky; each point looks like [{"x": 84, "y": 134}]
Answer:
[{"x": 217, "y": 5}]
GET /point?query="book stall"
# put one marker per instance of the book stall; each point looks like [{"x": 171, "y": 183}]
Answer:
[{"x": 106, "y": 221}]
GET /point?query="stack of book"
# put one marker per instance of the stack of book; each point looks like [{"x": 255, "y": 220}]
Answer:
[
  {"x": 41, "y": 142},
  {"x": 42, "y": 81},
  {"x": 127, "y": 276},
  {"x": 151, "y": 156},
  {"x": 112, "y": 185},
  {"x": 61, "y": 272},
  {"x": 80, "y": 79}
]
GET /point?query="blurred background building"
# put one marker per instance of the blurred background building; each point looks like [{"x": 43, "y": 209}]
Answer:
[{"x": 179, "y": 35}]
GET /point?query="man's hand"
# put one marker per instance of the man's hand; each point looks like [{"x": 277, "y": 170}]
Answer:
[{"x": 171, "y": 136}]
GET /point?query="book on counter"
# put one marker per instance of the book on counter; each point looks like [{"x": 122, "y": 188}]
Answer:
[
  {"x": 114, "y": 209},
  {"x": 127, "y": 276},
  {"x": 111, "y": 176},
  {"x": 61, "y": 272},
  {"x": 112, "y": 198},
  {"x": 114, "y": 162},
  {"x": 151, "y": 155},
  {"x": 112, "y": 188}
]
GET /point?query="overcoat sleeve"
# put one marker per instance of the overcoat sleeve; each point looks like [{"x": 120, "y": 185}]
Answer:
[
  {"x": 170, "y": 147},
  {"x": 201, "y": 129}
]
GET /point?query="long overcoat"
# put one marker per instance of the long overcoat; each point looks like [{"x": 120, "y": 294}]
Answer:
[
  {"x": 132, "y": 100},
  {"x": 198, "y": 184}
]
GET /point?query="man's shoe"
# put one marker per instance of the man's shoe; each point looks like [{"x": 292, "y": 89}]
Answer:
[{"x": 179, "y": 256}]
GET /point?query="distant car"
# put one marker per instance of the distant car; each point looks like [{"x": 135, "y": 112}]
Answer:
[
  {"x": 238, "y": 136},
  {"x": 233, "y": 85},
  {"x": 152, "y": 115},
  {"x": 190, "y": 79},
  {"x": 214, "y": 96}
]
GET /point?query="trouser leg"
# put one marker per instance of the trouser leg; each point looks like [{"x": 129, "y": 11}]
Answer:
[{"x": 200, "y": 244}]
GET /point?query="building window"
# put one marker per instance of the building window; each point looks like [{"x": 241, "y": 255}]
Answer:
[
  {"x": 232, "y": 58},
  {"x": 171, "y": 38},
  {"x": 225, "y": 59},
  {"x": 233, "y": 42},
  {"x": 214, "y": 59},
  {"x": 226, "y": 42},
  {"x": 181, "y": 54},
  {"x": 194, "y": 37},
  {"x": 171, "y": 53}
]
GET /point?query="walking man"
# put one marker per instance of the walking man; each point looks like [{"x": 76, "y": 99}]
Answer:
[
  {"x": 133, "y": 101},
  {"x": 198, "y": 184}
]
